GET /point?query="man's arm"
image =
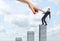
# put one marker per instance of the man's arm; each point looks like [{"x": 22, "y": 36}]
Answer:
[{"x": 49, "y": 16}]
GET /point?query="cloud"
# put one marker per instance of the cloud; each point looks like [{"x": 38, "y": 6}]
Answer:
[
  {"x": 57, "y": 13},
  {"x": 24, "y": 20},
  {"x": 55, "y": 1},
  {"x": 35, "y": 2},
  {"x": 4, "y": 6},
  {"x": 53, "y": 33},
  {"x": 8, "y": 18},
  {"x": 1, "y": 27},
  {"x": 22, "y": 23},
  {"x": 53, "y": 30}
]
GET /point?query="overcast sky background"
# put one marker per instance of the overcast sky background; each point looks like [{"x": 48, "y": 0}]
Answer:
[{"x": 16, "y": 19}]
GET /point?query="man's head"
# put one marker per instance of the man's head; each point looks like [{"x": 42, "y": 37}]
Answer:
[{"x": 48, "y": 9}]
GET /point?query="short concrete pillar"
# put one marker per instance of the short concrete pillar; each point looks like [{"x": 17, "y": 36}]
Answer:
[
  {"x": 30, "y": 36},
  {"x": 18, "y": 39}
]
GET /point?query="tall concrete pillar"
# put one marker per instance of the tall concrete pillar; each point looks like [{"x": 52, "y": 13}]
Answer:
[{"x": 42, "y": 32}]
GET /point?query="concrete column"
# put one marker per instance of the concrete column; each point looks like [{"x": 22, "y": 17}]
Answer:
[
  {"x": 42, "y": 32},
  {"x": 30, "y": 36},
  {"x": 18, "y": 39}
]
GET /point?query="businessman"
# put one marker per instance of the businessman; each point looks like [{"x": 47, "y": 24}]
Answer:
[{"x": 45, "y": 16}]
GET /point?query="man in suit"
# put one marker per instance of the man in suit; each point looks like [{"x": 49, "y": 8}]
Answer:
[{"x": 45, "y": 16}]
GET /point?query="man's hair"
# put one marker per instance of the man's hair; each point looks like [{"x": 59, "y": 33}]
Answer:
[{"x": 49, "y": 8}]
